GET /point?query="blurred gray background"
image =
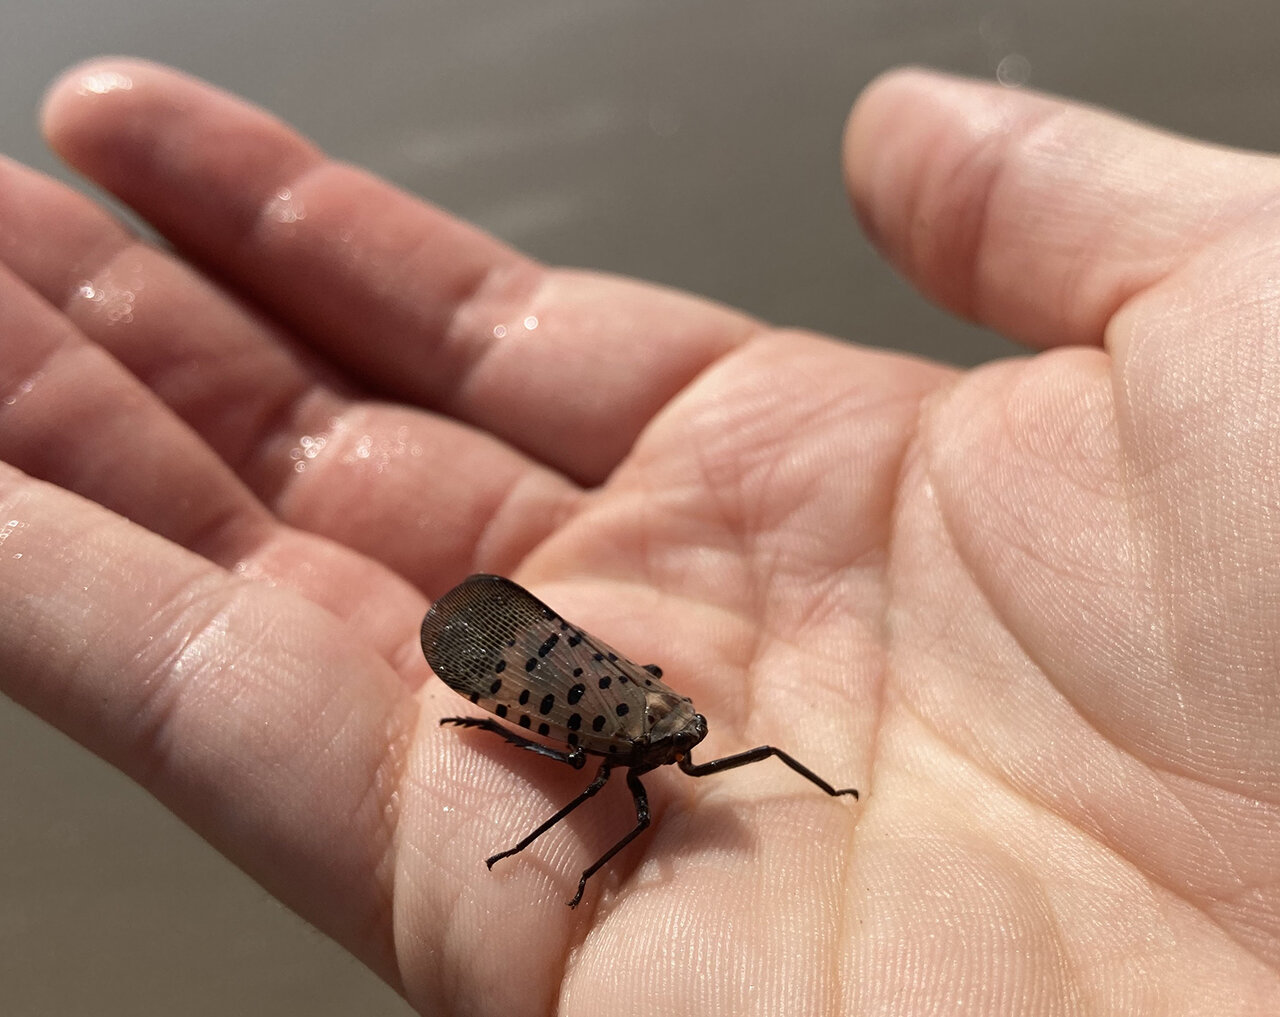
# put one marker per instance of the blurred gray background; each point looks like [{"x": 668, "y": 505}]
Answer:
[{"x": 694, "y": 144}]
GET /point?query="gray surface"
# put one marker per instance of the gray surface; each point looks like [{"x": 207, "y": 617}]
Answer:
[{"x": 692, "y": 144}]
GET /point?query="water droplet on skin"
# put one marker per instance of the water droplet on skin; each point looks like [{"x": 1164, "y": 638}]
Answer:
[
  {"x": 248, "y": 569},
  {"x": 529, "y": 322},
  {"x": 309, "y": 447},
  {"x": 102, "y": 82},
  {"x": 23, "y": 387},
  {"x": 120, "y": 310},
  {"x": 285, "y": 207},
  {"x": 114, "y": 303},
  {"x": 8, "y": 529},
  {"x": 313, "y": 444},
  {"x": 380, "y": 452}
]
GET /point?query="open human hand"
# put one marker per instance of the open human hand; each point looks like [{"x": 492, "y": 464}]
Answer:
[{"x": 1029, "y": 610}]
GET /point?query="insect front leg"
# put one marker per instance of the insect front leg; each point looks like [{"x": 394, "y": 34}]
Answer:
[
  {"x": 575, "y": 757},
  {"x": 641, "y": 799},
  {"x": 754, "y": 756},
  {"x": 601, "y": 779}
]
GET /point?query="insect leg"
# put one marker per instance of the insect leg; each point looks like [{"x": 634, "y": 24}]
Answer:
[
  {"x": 642, "y": 821},
  {"x": 601, "y": 778},
  {"x": 575, "y": 758},
  {"x": 754, "y": 756}
]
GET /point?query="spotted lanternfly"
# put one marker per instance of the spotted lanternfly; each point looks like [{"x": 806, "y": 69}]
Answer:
[{"x": 497, "y": 644}]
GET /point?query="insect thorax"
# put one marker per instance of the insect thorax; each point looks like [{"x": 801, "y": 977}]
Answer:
[{"x": 672, "y": 727}]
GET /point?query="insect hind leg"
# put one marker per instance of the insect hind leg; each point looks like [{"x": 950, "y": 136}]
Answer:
[
  {"x": 575, "y": 757},
  {"x": 601, "y": 779},
  {"x": 641, "y": 799},
  {"x": 755, "y": 755}
]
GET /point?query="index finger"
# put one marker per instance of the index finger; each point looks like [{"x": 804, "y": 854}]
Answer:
[{"x": 566, "y": 366}]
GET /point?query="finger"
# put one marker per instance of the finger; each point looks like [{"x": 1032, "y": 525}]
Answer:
[
  {"x": 245, "y": 710},
  {"x": 428, "y": 497},
  {"x": 566, "y": 366},
  {"x": 222, "y": 369},
  {"x": 1031, "y": 215},
  {"x": 70, "y": 415}
]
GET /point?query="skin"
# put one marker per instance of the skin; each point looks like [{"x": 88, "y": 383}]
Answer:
[{"x": 1029, "y": 610}]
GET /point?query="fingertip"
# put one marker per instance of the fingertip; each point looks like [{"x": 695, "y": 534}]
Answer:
[
  {"x": 876, "y": 108},
  {"x": 81, "y": 89},
  {"x": 869, "y": 146},
  {"x": 153, "y": 136},
  {"x": 907, "y": 137},
  {"x": 875, "y": 121},
  {"x": 909, "y": 103},
  {"x": 1030, "y": 214},
  {"x": 983, "y": 196}
]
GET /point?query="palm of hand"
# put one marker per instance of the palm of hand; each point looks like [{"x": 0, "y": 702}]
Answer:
[{"x": 1026, "y": 610}]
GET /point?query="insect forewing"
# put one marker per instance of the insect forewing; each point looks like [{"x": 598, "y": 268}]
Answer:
[{"x": 492, "y": 641}]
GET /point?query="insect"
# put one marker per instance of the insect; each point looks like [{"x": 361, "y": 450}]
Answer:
[{"x": 494, "y": 642}]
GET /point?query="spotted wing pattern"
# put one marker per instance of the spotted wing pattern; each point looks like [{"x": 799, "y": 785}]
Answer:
[{"x": 494, "y": 642}]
